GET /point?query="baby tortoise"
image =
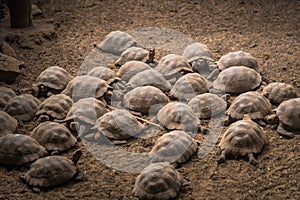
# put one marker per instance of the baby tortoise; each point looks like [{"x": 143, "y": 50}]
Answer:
[{"x": 279, "y": 92}]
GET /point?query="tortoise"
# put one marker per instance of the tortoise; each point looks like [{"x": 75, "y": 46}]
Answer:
[
  {"x": 6, "y": 95},
  {"x": 150, "y": 77},
  {"x": 173, "y": 147},
  {"x": 53, "y": 136},
  {"x": 242, "y": 138},
  {"x": 145, "y": 99},
  {"x": 22, "y": 107},
  {"x": 208, "y": 105},
  {"x": 173, "y": 66},
  {"x": 51, "y": 81},
  {"x": 237, "y": 79},
  {"x": 17, "y": 149},
  {"x": 251, "y": 103},
  {"x": 8, "y": 124},
  {"x": 136, "y": 53},
  {"x": 158, "y": 181},
  {"x": 86, "y": 86},
  {"x": 238, "y": 58},
  {"x": 54, "y": 107},
  {"x": 189, "y": 86},
  {"x": 116, "y": 42},
  {"x": 131, "y": 68},
  {"x": 288, "y": 115},
  {"x": 104, "y": 73},
  {"x": 279, "y": 92},
  {"x": 53, "y": 171}
]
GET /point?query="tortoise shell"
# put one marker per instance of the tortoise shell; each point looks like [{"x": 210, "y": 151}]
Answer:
[
  {"x": 22, "y": 107},
  {"x": 207, "y": 105},
  {"x": 189, "y": 86},
  {"x": 104, "y": 73},
  {"x": 150, "y": 77},
  {"x": 173, "y": 147},
  {"x": 134, "y": 53},
  {"x": 178, "y": 116},
  {"x": 16, "y": 149},
  {"x": 158, "y": 181},
  {"x": 53, "y": 136},
  {"x": 8, "y": 124},
  {"x": 237, "y": 80},
  {"x": 131, "y": 68},
  {"x": 195, "y": 51},
  {"x": 145, "y": 99},
  {"x": 254, "y": 104},
  {"x": 238, "y": 58},
  {"x": 6, "y": 95},
  {"x": 279, "y": 92},
  {"x": 288, "y": 113}
]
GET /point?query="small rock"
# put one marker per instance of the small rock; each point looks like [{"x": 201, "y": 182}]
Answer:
[{"x": 9, "y": 68}]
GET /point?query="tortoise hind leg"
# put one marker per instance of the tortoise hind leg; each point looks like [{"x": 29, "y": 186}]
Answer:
[
  {"x": 252, "y": 160},
  {"x": 282, "y": 132}
]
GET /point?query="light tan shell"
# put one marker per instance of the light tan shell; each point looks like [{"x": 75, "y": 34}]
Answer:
[
  {"x": 279, "y": 92},
  {"x": 158, "y": 181},
  {"x": 16, "y": 149},
  {"x": 150, "y": 77},
  {"x": 178, "y": 116},
  {"x": 133, "y": 53},
  {"x": 145, "y": 99},
  {"x": 6, "y": 95},
  {"x": 131, "y": 68},
  {"x": 53, "y": 136},
  {"x": 50, "y": 171},
  {"x": 86, "y": 86},
  {"x": 8, "y": 124},
  {"x": 207, "y": 105},
  {"x": 250, "y": 103},
  {"x": 103, "y": 73},
  {"x": 237, "y": 80},
  {"x": 189, "y": 86},
  {"x": 173, "y": 147},
  {"x": 22, "y": 107},
  {"x": 288, "y": 113},
  {"x": 56, "y": 106},
  {"x": 238, "y": 58},
  {"x": 196, "y": 50}
]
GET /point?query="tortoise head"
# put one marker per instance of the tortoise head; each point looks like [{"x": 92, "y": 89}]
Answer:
[{"x": 76, "y": 156}]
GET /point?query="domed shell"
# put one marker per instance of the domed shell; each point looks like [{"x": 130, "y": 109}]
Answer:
[
  {"x": 251, "y": 103},
  {"x": 53, "y": 136},
  {"x": 8, "y": 124},
  {"x": 6, "y": 95},
  {"x": 134, "y": 53},
  {"x": 237, "y": 80},
  {"x": 16, "y": 149},
  {"x": 150, "y": 77},
  {"x": 189, "y": 86},
  {"x": 178, "y": 116},
  {"x": 103, "y": 73},
  {"x": 131, "y": 68},
  {"x": 207, "y": 105},
  {"x": 22, "y": 107},
  {"x": 146, "y": 99},
  {"x": 288, "y": 113},
  {"x": 238, "y": 58},
  {"x": 279, "y": 92},
  {"x": 173, "y": 147},
  {"x": 158, "y": 181},
  {"x": 196, "y": 50}
]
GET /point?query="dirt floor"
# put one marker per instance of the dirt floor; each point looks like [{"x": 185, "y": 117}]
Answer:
[{"x": 269, "y": 30}]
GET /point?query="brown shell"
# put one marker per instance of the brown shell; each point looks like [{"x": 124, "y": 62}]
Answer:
[
  {"x": 237, "y": 80},
  {"x": 86, "y": 86},
  {"x": 22, "y": 107},
  {"x": 150, "y": 77},
  {"x": 53, "y": 136},
  {"x": 8, "y": 124},
  {"x": 207, "y": 105},
  {"x": 16, "y": 149},
  {"x": 243, "y": 137},
  {"x": 173, "y": 147},
  {"x": 158, "y": 181},
  {"x": 279, "y": 92},
  {"x": 6, "y": 95},
  {"x": 251, "y": 103},
  {"x": 103, "y": 73},
  {"x": 145, "y": 99},
  {"x": 133, "y": 53},
  {"x": 288, "y": 113},
  {"x": 56, "y": 106},
  {"x": 189, "y": 86},
  {"x": 131, "y": 68},
  {"x": 238, "y": 58},
  {"x": 195, "y": 51},
  {"x": 178, "y": 116},
  {"x": 50, "y": 171}
]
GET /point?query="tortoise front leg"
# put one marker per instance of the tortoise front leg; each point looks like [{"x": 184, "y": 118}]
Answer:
[
  {"x": 252, "y": 160},
  {"x": 281, "y": 131},
  {"x": 222, "y": 157}
]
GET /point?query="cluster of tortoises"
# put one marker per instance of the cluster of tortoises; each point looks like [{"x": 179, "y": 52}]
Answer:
[{"x": 118, "y": 102}]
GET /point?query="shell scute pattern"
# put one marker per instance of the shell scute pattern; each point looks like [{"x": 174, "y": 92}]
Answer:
[
  {"x": 279, "y": 92},
  {"x": 288, "y": 113},
  {"x": 131, "y": 68},
  {"x": 133, "y": 53},
  {"x": 104, "y": 73},
  {"x": 6, "y": 95},
  {"x": 8, "y": 124}
]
